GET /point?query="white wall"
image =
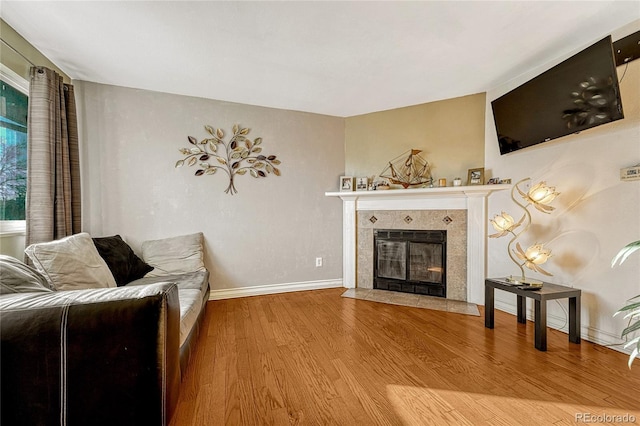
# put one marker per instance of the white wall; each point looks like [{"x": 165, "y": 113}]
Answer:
[
  {"x": 12, "y": 244},
  {"x": 596, "y": 213},
  {"x": 269, "y": 233}
]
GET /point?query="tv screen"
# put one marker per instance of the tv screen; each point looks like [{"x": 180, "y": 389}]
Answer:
[{"x": 577, "y": 94}]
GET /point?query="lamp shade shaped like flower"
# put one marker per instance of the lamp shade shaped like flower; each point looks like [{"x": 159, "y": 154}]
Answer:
[
  {"x": 533, "y": 257},
  {"x": 540, "y": 196},
  {"x": 504, "y": 224}
]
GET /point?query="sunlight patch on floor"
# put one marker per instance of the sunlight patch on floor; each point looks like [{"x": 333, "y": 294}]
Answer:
[{"x": 420, "y": 406}]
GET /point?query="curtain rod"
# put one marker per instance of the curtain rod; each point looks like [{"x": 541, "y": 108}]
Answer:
[{"x": 15, "y": 50}]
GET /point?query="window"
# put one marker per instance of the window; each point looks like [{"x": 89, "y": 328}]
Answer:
[{"x": 13, "y": 150}]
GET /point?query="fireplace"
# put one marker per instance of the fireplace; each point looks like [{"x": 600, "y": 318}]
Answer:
[
  {"x": 461, "y": 210},
  {"x": 410, "y": 261}
]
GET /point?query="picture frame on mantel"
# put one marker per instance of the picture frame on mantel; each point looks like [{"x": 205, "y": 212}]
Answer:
[
  {"x": 346, "y": 183},
  {"x": 475, "y": 176},
  {"x": 362, "y": 183}
]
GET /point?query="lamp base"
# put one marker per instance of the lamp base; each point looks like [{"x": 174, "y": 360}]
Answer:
[{"x": 524, "y": 281}]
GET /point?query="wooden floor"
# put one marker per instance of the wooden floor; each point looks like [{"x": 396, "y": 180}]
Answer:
[{"x": 319, "y": 359}]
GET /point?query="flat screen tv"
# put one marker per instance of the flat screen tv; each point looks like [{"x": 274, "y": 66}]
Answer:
[{"x": 577, "y": 94}]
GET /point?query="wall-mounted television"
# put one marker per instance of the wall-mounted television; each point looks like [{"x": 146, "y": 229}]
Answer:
[{"x": 579, "y": 93}]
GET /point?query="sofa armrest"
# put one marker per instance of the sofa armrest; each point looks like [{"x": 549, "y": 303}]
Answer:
[{"x": 103, "y": 356}]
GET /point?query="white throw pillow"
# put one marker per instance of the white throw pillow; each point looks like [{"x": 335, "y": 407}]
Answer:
[
  {"x": 71, "y": 263},
  {"x": 176, "y": 255}
]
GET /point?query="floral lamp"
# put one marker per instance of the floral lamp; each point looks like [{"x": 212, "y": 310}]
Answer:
[{"x": 539, "y": 196}]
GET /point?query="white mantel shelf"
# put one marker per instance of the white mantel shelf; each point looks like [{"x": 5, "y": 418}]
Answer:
[
  {"x": 471, "y": 198},
  {"x": 447, "y": 191},
  {"x": 450, "y": 197}
]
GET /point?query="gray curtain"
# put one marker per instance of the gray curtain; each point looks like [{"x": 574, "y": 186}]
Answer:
[{"x": 53, "y": 162}]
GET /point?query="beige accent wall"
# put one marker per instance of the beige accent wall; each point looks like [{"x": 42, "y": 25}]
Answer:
[
  {"x": 17, "y": 63},
  {"x": 269, "y": 233},
  {"x": 450, "y": 133}
]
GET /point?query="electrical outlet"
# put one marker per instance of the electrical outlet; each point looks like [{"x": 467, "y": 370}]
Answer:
[{"x": 318, "y": 262}]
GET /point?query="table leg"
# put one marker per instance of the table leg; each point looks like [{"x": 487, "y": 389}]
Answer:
[
  {"x": 574, "y": 319},
  {"x": 522, "y": 310},
  {"x": 541, "y": 325},
  {"x": 488, "y": 306}
]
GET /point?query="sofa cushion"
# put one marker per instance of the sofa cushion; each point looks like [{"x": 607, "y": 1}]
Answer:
[
  {"x": 71, "y": 263},
  {"x": 193, "y": 280},
  {"x": 190, "y": 307},
  {"x": 176, "y": 255},
  {"x": 17, "y": 277},
  {"x": 192, "y": 290},
  {"x": 121, "y": 260}
]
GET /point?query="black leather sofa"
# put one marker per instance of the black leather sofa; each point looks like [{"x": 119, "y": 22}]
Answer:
[{"x": 109, "y": 356}]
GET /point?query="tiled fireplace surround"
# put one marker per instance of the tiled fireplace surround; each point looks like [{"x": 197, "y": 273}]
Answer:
[
  {"x": 452, "y": 221},
  {"x": 423, "y": 208}
]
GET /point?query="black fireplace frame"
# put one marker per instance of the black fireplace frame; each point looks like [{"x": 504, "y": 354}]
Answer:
[{"x": 407, "y": 237}]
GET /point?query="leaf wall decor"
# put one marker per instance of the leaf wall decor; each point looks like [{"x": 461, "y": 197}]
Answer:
[{"x": 236, "y": 157}]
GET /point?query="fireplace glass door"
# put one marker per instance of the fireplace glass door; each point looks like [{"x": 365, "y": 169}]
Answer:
[
  {"x": 392, "y": 259},
  {"x": 425, "y": 263},
  {"x": 410, "y": 261}
]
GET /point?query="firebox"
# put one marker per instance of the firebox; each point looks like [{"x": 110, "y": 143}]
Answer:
[{"x": 410, "y": 261}]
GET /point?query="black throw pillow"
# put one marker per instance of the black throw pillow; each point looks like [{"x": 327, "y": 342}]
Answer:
[{"x": 121, "y": 260}]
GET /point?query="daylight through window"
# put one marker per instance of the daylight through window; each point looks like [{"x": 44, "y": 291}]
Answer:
[{"x": 13, "y": 152}]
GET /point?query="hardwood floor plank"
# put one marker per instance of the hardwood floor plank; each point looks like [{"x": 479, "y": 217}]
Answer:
[
  {"x": 291, "y": 399},
  {"x": 315, "y": 358},
  {"x": 271, "y": 391},
  {"x": 379, "y": 413},
  {"x": 413, "y": 405}
]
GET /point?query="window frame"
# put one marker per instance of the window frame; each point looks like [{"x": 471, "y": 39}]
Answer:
[{"x": 9, "y": 228}]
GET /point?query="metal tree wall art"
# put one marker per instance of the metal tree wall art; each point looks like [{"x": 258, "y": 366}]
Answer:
[{"x": 239, "y": 156}]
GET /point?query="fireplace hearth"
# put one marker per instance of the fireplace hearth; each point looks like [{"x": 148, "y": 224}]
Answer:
[{"x": 410, "y": 261}]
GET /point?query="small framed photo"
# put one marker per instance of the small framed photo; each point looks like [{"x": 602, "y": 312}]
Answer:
[
  {"x": 506, "y": 181},
  {"x": 346, "y": 183},
  {"x": 493, "y": 181},
  {"x": 362, "y": 183},
  {"x": 476, "y": 176}
]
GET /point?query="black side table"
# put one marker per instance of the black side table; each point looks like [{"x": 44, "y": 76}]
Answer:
[{"x": 547, "y": 292}]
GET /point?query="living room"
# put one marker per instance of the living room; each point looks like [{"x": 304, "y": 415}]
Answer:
[{"x": 266, "y": 238}]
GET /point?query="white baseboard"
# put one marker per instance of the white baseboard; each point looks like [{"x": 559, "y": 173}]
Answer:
[
  {"x": 590, "y": 334},
  {"x": 273, "y": 288}
]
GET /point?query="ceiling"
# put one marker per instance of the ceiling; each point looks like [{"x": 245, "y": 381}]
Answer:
[{"x": 335, "y": 58}]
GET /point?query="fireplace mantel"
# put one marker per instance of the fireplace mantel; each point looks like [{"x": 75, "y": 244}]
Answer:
[{"x": 470, "y": 198}]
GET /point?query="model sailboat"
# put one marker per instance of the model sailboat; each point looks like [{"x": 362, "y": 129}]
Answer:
[{"x": 409, "y": 169}]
